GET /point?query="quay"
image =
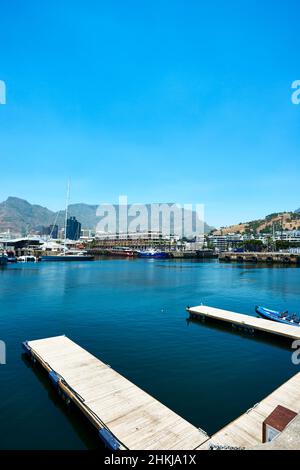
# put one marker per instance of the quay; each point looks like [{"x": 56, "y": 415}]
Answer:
[
  {"x": 246, "y": 431},
  {"x": 245, "y": 322},
  {"x": 124, "y": 415},
  {"x": 177, "y": 254},
  {"x": 260, "y": 257}
]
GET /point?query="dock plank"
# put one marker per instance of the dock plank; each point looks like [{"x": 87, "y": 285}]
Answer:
[
  {"x": 240, "y": 319},
  {"x": 246, "y": 431},
  {"x": 134, "y": 417}
]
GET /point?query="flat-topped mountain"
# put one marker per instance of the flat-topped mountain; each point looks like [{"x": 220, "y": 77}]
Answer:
[{"x": 19, "y": 216}]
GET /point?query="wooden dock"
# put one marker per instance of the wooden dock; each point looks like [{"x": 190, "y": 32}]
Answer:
[
  {"x": 246, "y": 431},
  {"x": 246, "y": 322},
  {"x": 125, "y": 416}
]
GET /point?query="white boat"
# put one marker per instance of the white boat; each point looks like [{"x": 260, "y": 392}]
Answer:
[
  {"x": 68, "y": 255},
  {"x": 27, "y": 259}
]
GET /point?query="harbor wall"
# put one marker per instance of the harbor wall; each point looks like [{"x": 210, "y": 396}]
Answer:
[{"x": 260, "y": 257}]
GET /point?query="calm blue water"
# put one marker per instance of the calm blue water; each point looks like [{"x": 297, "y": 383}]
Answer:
[{"x": 131, "y": 314}]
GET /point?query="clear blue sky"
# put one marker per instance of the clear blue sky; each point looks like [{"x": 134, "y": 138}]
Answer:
[{"x": 185, "y": 101}]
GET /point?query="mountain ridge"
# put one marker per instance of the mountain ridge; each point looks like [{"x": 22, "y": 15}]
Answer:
[{"x": 19, "y": 216}]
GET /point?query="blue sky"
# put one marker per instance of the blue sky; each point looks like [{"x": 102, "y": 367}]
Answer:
[{"x": 185, "y": 101}]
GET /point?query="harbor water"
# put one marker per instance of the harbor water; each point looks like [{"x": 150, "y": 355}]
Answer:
[{"x": 131, "y": 315}]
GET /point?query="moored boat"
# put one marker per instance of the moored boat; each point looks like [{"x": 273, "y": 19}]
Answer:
[
  {"x": 122, "y": 252},
  {"x": 27, "y": 259},
  {"x": 11, "y": 257},
  {"x": 3, "y": 260},
  {"x": 152, "y": 253},
  {"x": 70, "y": 255},
  {"x": 281, "y": 317}
]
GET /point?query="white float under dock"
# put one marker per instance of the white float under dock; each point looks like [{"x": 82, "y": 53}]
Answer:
[
  {"x": 125, "y": 416},
  {"x": 246, "y": 322}
]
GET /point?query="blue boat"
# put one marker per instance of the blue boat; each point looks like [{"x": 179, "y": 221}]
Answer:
[
  {"x": 151, "y": 253},
  {"x": 3, "y": 260},
  {"x": 281, "y": 317}
]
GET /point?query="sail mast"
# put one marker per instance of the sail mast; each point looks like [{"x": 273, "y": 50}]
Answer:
[{"x": 66, "y": 214}]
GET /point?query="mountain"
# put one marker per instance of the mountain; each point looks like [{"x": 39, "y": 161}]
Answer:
[
  {"x": 19, "y": 216},
  {"x": 278, "y": 221},
  {"x": 85, "y": 213}
]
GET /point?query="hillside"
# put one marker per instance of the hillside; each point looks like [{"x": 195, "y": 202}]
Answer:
[
  {"x": 19, "y": 216},
  {"x": 280, "y": 221}
]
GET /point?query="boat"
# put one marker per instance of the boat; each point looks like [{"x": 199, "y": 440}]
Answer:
[
  {"x": 122, "y": 252},
  {"x": 67, "y": 254},
  {"x": 152, "y": 253},
  {"x": 3, "y": 260},
  {"x": 11, "y": 257},
  {"x": 280, "y": 317},
  {"x": 27, "y": 259},
  {"x": 70, "y": 255}
]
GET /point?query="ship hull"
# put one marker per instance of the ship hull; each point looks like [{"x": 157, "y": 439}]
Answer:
[
  {"x": 3, "y": 260},
  {"x": 67, "y": 258},
  {"x": 121, "y": 253},
  {"x": 153, "y": 255}
]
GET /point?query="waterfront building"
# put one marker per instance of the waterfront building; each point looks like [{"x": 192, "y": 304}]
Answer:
[
  {"x": 45, "y": 231},
  {"x": 9, "y": 235},
  {"x": 87, "y": 234},
  {"x": 73, "y": 229},
  {"x": 145, "y": 235},
  {"x": 54, "y": 231},
  {"x": 294, "y": 251},
  {"x": 219, "y": 242},
  {"x": 225, "y": 242},
  {"x": 230, "y": 241},
  {"x": 143, "y": 239},
  {"x": 51, "y": 231},
  {"x": 291, "y": 236}
]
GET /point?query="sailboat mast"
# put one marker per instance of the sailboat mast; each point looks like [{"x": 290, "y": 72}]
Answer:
[{"x": 66, "y": 214}]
